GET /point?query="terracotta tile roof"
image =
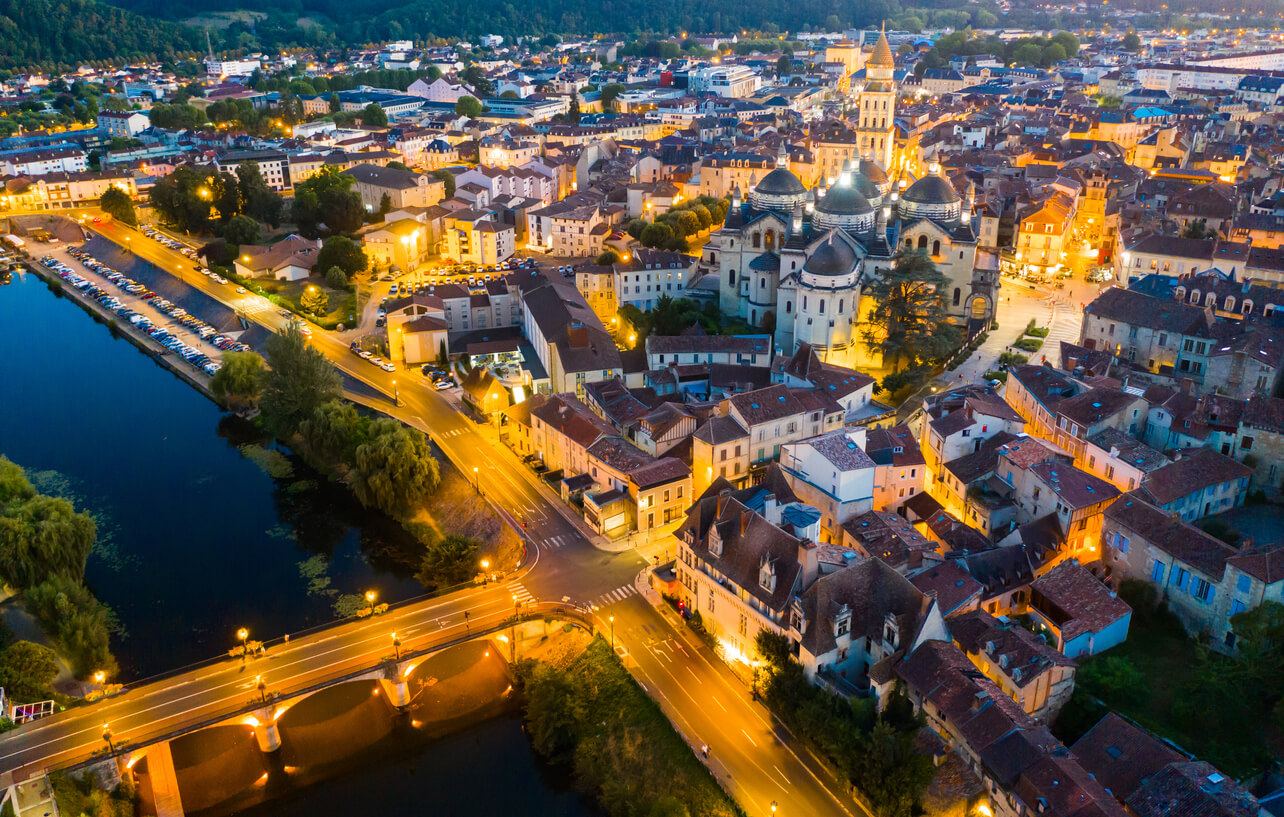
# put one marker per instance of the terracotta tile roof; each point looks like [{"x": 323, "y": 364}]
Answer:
[
  {"x": 1076, "y": 600},
  {"x": 1121, "y": 754},
  {"x": 1195, "y": 469},
  {"x": 953, "y": 586}
]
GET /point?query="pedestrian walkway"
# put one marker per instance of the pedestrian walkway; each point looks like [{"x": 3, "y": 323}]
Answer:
[
  {"x": 520, "y": 593},
  {"x": 1067, "y": 322},
  {"x": 555, "y": 542},
  {"x": 615, "y": 596}
]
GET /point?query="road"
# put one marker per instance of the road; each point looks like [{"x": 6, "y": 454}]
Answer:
[
  {"x": 700, "y": 695},
  {"x": 228, "y": 685}
]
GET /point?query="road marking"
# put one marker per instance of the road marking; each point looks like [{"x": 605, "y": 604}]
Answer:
[
  {"x": 719, "y": 703},
  {"x": 751, "y": 740}
]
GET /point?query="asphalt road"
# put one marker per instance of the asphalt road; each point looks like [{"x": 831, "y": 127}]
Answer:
[{"x": 705, "y": 700}]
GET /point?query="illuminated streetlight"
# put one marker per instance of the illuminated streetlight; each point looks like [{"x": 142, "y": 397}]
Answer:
[
  {"x": 612, "y": 620},
  {"x": 107, "y": 736},
  {"x": 370, "y": 599},
  {"x": 396, "y": 646},
  {"x": 262, "y": 687},
  {"x": 244, "y": 634},
  {"x": 99, "y": 677}
]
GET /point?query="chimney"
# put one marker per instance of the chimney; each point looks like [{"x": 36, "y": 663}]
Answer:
[
  {"x": 745, "y": 516},
  {"x": 809, "y": 561},
  {"x": 771, "y": 510}
]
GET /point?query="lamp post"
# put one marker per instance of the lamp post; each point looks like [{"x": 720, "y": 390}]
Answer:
[
  {"x": 107, "y": 736},
  {"x": 262, "y": 687},
  {"x": 512, "y": 643},
  {"x": 396, "y": 395},
  {"x": 370, "y": 599},
  {"x": 99, "y": 677},
  {"x": 773, "y": 806},
  {"x": 477, "y": 480},
  {"x": 485, "y": 565},
  {"x": 612, "y": 620},
  {"x": 244, "y": 634},
  {"x": 127, "y": 244},
  {"x": 396, "y": 647}
]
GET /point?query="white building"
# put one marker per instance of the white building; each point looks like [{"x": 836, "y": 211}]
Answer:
[
  {"x": 732, "y": 81},
  {"x": 832, "y": 473},
  {"x": 230, "y": 68}
]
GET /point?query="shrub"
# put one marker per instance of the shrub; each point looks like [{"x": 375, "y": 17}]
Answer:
[
  {"x": 991, "y": 374},
  {"x": 1029, "y": 344},
  {"x": 1012, "y": 359}
]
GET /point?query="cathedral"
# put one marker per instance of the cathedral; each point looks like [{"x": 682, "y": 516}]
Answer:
[{"x": 794, "y": 260}]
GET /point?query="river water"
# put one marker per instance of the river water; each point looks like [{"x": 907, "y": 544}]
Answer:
[{"x": 196, "y": 540}]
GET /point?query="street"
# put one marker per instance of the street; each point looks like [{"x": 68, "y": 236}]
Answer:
[{"x": 706, "y": 702}]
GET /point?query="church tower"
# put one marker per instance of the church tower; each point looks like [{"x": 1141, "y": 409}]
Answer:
[{"x": 876, "y": 128}]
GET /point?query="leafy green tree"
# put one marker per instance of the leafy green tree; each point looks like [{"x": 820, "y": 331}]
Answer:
[
  {"x": 1131, "y": 42},
  {"x": 117, "y": 204},
  {"x": 703, "y": 216},
  {"x": 43, "y": 536},
  {"x": 374, "y": 116},
  {"x": 610, "y": 93},
  {"x": 315, "y": 300},
  {"x": 394, "y": 469},
  {"x": 656, "y": 235},
  {"x": 606, "y": 258},
  {"x": 447, "y": 180},
  {"x": 77, "y": 622},
  {"x": 344, "y": 253},
  {"x": 327, "y": 198},
  {"x": 258, "y": 201},
  {"x": 784, "y": 65},
  {"x": 176, "y": 117},
  {"x": 331, "y": 433},
  {"x": 27, "y": 671},
  {"x": 452, "y": 560},
  {"x": 336, "y": 104},
  {"x": 241, "y": 230},
  {"x": 239, "y": 383},
  {"x": 336, "y": 278},
  {"x": 299, "y": 380},
  {"x": 636, "y": 226},
  {"x": 468, "y": 106},
  {"x": 909, "y": 323},
  {"x": 685, "y": 223},
  {"x": 1114, "y": 678}
]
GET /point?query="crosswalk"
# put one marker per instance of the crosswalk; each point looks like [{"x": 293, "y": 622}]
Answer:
[
  {"x": 520, "y": 593},
  {"x": 614, "y": 596},
  {"x": 555, "y": 542},
  {"x": 454, "y": 432}
]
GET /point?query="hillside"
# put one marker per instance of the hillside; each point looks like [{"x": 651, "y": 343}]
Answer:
[{"x": 65, "y": 33}]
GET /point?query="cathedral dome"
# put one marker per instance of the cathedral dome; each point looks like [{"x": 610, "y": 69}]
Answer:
[
  {"x": 931, "y": 190},
  {"x": 870, "y": 170},
  {"x": 780, "y": 182},
  {"x": 844, "y": 200},
  {"x": 932, "y": 197},
  {"x": 780, "y": 190},
  {"x": 832, "y": 258}
]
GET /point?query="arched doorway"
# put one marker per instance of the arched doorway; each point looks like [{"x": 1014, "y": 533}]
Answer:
[{"x": 980, "y": 307}]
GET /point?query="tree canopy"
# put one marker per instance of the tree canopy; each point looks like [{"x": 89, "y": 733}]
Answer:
[
  {"x": 909, "y": 323},
  {"x": 327, "y": 198},
  {"x": 117, "y": 204},
  {"x": 300, "y": 380}
]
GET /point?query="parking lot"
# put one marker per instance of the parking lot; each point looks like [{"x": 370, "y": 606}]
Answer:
[{"x": 196, "y": 342}]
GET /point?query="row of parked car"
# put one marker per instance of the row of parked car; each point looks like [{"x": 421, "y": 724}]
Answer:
[
  {"x": 198, "y": 327},
  {"x": 371, "y": 357},
  {"x": 157, "y": 235}
]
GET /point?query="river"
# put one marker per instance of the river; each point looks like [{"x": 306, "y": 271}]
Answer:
[{"x": 196, "y": 540}]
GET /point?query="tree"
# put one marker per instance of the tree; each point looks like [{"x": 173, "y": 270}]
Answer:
[
  {"x": 656, "y": 235},
  {"x": 241, "y": 230},
  {"x": 27, "y": 671},
  {"x": 117, "y": 204},
  {"x": 1195, "y": 229},
  {"x": 394, "y": 469},
  {"x": 43, "y": 536},
  {"x": 336, "y": 278},
  {"x": 300, "y": 380},
  {"x": 636, "y": 226},
  {"x": 447, "y": 179},
  {"x": 331, "y": 433},
  {"x": 344, "y": 253},
  {"x": 452, "y": 560},
  {"x": 315, "y": 300},
  {"x": 610, "y": 93},
  {"x": 239, "y": 383},
  {"x": 910, "y": 321},
  {"x": 327, "y": 198},
  {"x": 77, "y": 622},
  {"x": 685, "y": 223},
  {"x": 258, "y": 201},
  {"x": 373, "y": 116},
  {"x": 336, "y": 104},
  {"x": 468, "y": 106},
  {"x": 385, "y": 205},
  {"x": 1131, "y": 42},
  {"x": 784, "y": 65},
  {"x": 606, "y": 258}
]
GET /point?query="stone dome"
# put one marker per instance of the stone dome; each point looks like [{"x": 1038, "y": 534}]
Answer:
[
  {"x": 780, "y": 182},
  {"x": 931, "y": 190},
  {"x": 832, "y": 258},
  {"x": 844, "y": 200},
  {"x": 780, "y": 190},
  {"x": 870, "y": 170}
]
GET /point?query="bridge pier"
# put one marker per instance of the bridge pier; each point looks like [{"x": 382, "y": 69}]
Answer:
[
  {"x": 397, "y": 690},
  {"x": 266, "y": 732}
]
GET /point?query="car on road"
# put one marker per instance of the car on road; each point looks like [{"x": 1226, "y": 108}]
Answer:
[
  {"x": 240, "y": 291},
  {"x": 442, "y": 385},
  {"x": 387, "y": 367}
]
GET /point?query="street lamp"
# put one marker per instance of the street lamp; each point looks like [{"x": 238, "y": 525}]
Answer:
[
  {"x": 107, "y": 738},
  {"x": 396, "y": 646},
  {"x": 396, "y": 395},
  {"x": 476, "y": 479},
  {"x": 99, "y": 677},
  {"x": 262, "y": 687},
  {"x": 773, "y": 806},
  {"x": 243, "y": 634},
  {"x": 370, "y": 597},
  {"x": 612, "y": 620},
  {"x": 127, "y": 244}
]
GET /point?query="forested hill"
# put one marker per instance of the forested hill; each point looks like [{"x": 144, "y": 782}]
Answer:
[
  {"x": 376, "y": 20},
  {"x": 63, "y": 33}
]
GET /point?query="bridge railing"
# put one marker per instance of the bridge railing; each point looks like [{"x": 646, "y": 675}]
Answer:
[{"x": 574, "y": 613}]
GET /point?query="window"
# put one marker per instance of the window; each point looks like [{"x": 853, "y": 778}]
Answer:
[
  {"x": 1121, "y": 543},
  {"x": 1202, "y": 590},
  {"x": 1243, "y": 584},
  {"x": 958, "y": 294},
  {"x": 936, "y": 248},
  {"x": 1182, "y": 578},
  {"x": 1157, "y": 572}
]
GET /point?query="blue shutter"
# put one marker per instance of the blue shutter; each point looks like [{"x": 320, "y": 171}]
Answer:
[
  {"x": 1157, "y": 572},
  {"x": 1212, "y": 594}
]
